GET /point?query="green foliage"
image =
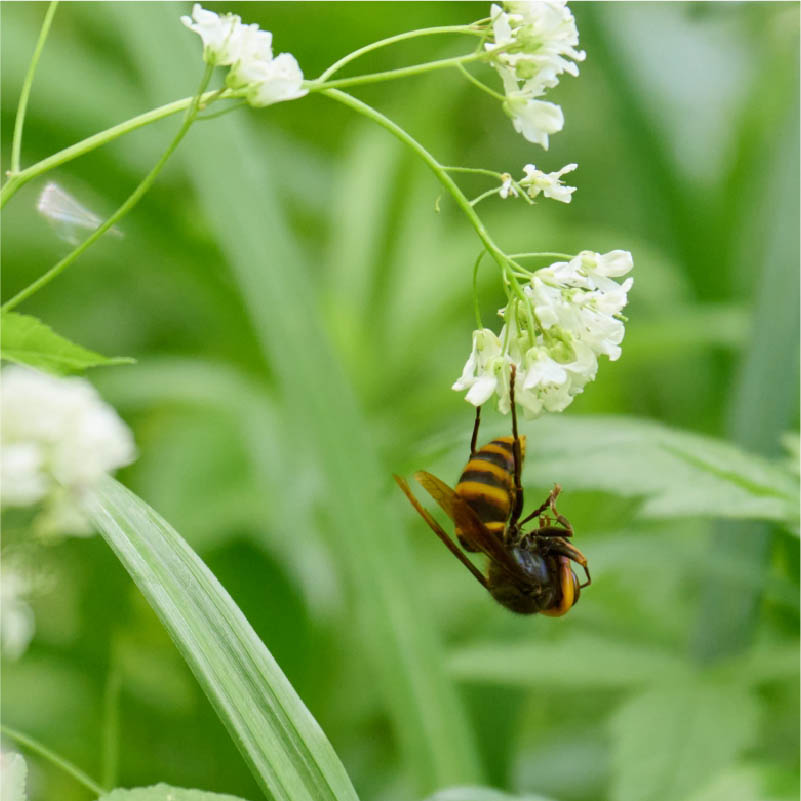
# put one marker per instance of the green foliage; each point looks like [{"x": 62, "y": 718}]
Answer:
[
  {"x": 297, "y": 294},
  {"x": 29, "y": 341},
  {"x": 163, "y": 792},
  {"x": 277, "y": 735},
  {"x": 694, "y": 730},
  {"x": 676, "y": 473}
]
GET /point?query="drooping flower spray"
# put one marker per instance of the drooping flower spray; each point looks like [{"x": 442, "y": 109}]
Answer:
[{"x": 559, "y": 319}]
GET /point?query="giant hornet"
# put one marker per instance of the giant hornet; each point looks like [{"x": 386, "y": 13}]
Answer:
[{"x": 528, "y": 571}]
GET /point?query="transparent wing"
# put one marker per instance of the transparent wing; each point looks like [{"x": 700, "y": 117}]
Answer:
[
  {"x": 66, "y": 214},
  {"x": 468, "y": 523},
  {"x": 440, "y": 532}
]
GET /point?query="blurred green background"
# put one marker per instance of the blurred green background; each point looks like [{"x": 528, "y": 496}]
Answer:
[{"x": 299, "y": 309}]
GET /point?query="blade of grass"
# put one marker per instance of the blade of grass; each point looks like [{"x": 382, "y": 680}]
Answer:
[
  {"x": 277, "y": 735},
  {"x": 236, "y": 190}
]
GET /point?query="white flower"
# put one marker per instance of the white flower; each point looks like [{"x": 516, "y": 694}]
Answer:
[
  {"x": 570, "y": 316},
  {"x": 507, "y": 187},
  {"x": 13, "y": 776},
  {"x": 249, "y": 51},
  {"x": 483, "y": 372},
  {"x": 549, "y": 184},
  {"x": 535, "y": 119},
  {"x": 17, "y": 623},
  {"x": 58, "y": 438},
  {"x": 533, "y": 43},
  {"x": 220, "y": 34},
  {"x": 255, "y": 48},
  {"x": 276, "y": 80}
]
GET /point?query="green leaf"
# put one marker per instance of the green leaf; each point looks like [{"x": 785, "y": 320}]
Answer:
[
  {"x": 613, "y": 664},
  {"x": 677, "y": 473},
  {"x": 244, "y": 213},
  {"x": 26, "y": 340},
  {"x": 481, "y": 794},
  {"x": 12, "y": 777},
  {"x": 668, "y": 741},
  {"x": 163, "y": 792},
  {"x": 281, "y": 741}
]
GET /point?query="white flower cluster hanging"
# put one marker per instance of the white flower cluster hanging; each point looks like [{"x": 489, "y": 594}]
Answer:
[
  {"x": 533, "y": 43},
  {"x": 568, "y": 316},
  {"x": 249, "y": 53}
]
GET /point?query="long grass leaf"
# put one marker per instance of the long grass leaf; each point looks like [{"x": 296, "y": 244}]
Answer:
[
  {"x": 277, "y": 735},
  {"x": 245, "y": 216}
]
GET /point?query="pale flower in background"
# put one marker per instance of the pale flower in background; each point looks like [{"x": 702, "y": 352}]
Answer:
[
  {"x": 220, "y": 34},
  {"x": 570, "y": 315},
  {"x": 535, "y": 119},
  {"x": 280, "y": 79},
  {"x": 249, "y": 52},
  {"x": 533, "y": 43},
  {"x": 58, "y": 438},
  {"x": 13, "y": 776},
  {"x": 549, "y": 184},
  {"x": 507, "y": 187},
  {"x": 17, "y": 622}
]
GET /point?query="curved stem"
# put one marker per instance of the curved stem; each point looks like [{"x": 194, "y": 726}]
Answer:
[
  {"x": 543, "y": 254},
  {"x": 25, "y": 92},
  {"x": 103, "y": 137},
  {"x": 337, "y": 65},
  {"x": 368, "y": 111},
  {"x": 476, "y": 308},
  {"x": 480, "y": 84},
  {"x": 475, "y": 171},
  {"x": 476, "y": 200},
  {"x": 37, "y": 748},
  {"x": 391, "y": 75},
  {"x": 132, "y": 200}
]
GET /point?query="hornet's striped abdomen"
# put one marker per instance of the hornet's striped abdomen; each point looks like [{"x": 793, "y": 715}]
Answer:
[{"x": 487, "y": 485}]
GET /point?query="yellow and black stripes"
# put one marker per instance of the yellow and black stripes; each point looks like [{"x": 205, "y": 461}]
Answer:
[{"x": 487, "y": 484}]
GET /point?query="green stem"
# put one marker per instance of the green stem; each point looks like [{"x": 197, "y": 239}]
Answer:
[
  {"x": 59, "y": 761},
  {"x": 542, "y": 254},
  {"x": 476, "y": 308},
  {"x": 103, "y": 137},
  {"x": 25, "y": 92},
  {"x": 480, "y": 84},
  {"x": 391, "y": 75},
  {"x": 475, "y": 171},
  {"x": 110, "y": 746},
  {"x": 441, "y": 172},
  {"x": 337, "y": 65},
  {"x": 132, "y": 200},
  {"x": 484, "y": 195}
]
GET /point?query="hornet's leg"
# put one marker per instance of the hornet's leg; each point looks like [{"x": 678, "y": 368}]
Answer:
[
  {"x": 475, "y": 432},
  {"x": 549, "y": 501},
  {"x": 518, "y": 507}
]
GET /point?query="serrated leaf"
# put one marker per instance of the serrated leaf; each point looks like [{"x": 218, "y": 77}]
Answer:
[
  {"x": 668, "y": 741},
  {"x": 277, "y": 735},
  {"x": 163, "y": 792},
  {"x": 27, "y": 340},
  {"x": 677, "y": 473}
]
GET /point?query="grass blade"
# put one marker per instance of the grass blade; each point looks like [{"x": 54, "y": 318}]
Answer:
[{"x": 277, "y": 735}]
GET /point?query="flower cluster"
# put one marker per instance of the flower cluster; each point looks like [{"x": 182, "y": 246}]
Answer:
[
  {"x": 537, "y": 182},
  {"x": 533, "y": 43},
  {"x": 564, "y": 318},
  {"x": 249, "y": 53},
  {"x": 58, "y": 438}
]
